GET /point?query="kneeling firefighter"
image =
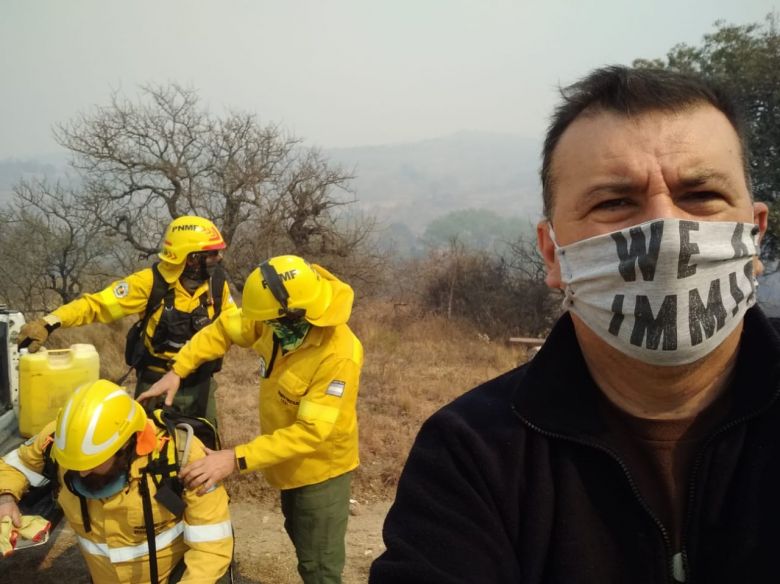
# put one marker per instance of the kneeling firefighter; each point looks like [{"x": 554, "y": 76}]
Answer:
[
  {"x": 117, "y": 475},
  {"x": 174, "y": 298}
]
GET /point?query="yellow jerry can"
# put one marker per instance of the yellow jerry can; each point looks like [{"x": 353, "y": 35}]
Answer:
[{"x": 47, "y": 379}]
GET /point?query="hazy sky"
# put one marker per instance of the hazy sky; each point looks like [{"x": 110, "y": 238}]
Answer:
[{"x": 337, "y": 73}]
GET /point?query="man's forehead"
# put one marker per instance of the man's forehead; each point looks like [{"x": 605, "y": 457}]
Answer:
[{"x": 598, "y": 136}]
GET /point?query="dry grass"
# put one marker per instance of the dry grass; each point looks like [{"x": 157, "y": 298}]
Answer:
[{"x": 414, "y": 364}]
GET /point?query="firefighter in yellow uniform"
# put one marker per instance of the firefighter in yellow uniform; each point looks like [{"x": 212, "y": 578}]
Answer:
[
  {"x": 294, "y": 315},
  {"x": 104, "y": 447},
  {"x": 190, "y": 289}
]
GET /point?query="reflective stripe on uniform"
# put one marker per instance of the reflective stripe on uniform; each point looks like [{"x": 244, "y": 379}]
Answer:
[
  {"x": 313, "y": 411},
  {"x": 131, "y": 552},
  {"x": 209, "y": 532},
  {"x": 35, "y": 479},
  {"x": 109, "y": 301}
]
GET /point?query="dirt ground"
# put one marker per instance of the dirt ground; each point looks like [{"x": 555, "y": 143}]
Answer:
[{"x": 264, "y": 554}]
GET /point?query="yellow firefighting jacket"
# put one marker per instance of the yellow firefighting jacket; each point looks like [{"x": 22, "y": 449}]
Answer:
[
  {"x": 130, "y": 296},
  {"x": 308, "y": 417},
  {"x": 115, "y": 548}
]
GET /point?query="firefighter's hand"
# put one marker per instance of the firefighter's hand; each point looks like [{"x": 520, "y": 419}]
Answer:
[
  {"x": 9, "y": 508},
  {"x": 168, "y": 385},
  {"x": 205, "y": 473},
  {"x": 33, "y": 334}
]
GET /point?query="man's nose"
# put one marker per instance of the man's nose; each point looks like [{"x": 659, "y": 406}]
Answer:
[
  {"x": 659, "y": 202},
  {"x": 660, "y": 206},
  {"x": 84, "y": 473}
]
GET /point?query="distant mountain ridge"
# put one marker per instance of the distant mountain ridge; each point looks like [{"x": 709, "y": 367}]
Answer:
[
  {"x": 413, "y": 183},
  {"x": 408, "y": 183},
  {"x": 12, "y": 170}
]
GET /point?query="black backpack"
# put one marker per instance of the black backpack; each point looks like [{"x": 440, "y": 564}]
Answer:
[{"x": 135, "y": 348}]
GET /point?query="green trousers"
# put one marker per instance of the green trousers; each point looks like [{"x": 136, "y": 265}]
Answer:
[
  {"x": 315, "y": 517},
  {"x": 188, "y": 399}
]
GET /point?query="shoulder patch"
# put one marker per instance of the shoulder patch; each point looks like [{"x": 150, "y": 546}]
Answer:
[
  {"x": 336, "y": 388},
  {"x": 122, "y": 289}
]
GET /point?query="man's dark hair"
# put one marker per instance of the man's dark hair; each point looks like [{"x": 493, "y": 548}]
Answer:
[{"x": 629, "y": 91}]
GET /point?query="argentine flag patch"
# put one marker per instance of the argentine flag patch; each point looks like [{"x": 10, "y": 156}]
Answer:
[{"x": 336, "y": 388}]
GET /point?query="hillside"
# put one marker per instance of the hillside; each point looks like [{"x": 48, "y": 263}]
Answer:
[
  {"x": 409, "y": 184},
  {"x": 416, "y": 182}
]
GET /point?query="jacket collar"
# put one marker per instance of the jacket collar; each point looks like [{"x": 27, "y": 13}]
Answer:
[{"x": 558, "y": 395}]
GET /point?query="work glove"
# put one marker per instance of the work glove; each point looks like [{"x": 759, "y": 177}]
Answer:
[
  {"x": 8, "y": 537},
  {"x": 33, "y": 527},
  {"x": 33, "y": 334}
]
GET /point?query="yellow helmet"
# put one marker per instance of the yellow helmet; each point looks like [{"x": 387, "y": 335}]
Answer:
[
  {"x": 189, "y": 234},
  {"x": 94, "y": 424},
  {"x": 286, "y": 286}
]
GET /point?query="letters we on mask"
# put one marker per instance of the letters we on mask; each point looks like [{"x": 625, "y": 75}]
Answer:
[{"x": 668, "y": 262}]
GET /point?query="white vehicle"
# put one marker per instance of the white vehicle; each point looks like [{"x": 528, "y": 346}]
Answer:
[{"x": 10, "y": 323}]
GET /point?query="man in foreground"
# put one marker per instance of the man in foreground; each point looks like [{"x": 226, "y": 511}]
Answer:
[
  {"x": 642, "y": 443},
  {"x": 294, "y": 316},
  {"x": 112, "y": 462}
]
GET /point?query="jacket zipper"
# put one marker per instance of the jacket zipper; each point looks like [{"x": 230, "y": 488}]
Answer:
[
  {"x": 612, "y": 454},
  {"x": 697, "y": 465}
]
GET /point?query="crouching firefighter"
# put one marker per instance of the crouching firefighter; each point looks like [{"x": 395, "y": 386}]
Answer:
[
  {"x": 117, "y": 475},
  {"x": 294, "y": 316},
  {"x": 174, "y": 298}
]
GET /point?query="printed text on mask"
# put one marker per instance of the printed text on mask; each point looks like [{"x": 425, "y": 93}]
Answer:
[{"x": 704, "y": 320}]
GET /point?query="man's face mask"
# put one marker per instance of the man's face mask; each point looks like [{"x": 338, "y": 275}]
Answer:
[
  {"x": 201, "y": 265},
  {"x": 666, "y": 292},
  {"x": 102, "y": 486},
  {"x": 290, "y": 332}
]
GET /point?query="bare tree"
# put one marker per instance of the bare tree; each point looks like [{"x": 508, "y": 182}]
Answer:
[
  {"x": 139, "y": 164},
  {"x": 541, "y": 305},
  {"x": 49, "y": 245},
  {"x": 144, "y": 163}
]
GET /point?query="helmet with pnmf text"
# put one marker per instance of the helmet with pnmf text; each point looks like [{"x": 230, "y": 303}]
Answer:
[
  {"x": 94, "y": 424},
  {"x": 286, "y": 286},
  {"x": 189, "y": 234}
]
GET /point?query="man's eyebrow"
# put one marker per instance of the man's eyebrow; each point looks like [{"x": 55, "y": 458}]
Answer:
[
  {"x": 705, "y": 176},
  {"x": 617, "y": 186},
  {"x": 627, "y": 186}
]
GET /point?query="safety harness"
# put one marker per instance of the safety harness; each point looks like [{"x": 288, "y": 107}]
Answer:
[{"x": 172, "y": 336}]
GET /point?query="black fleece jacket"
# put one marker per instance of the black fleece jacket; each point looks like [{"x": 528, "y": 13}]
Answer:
[{"x": 518, "y": 481}]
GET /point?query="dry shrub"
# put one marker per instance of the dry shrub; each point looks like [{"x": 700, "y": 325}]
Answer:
[{"x": 414, "y": 364}]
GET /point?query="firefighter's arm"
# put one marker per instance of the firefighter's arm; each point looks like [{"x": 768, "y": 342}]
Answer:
[
  {"x": 22, "y": 468},
  {"x": 214, "y": 340},
  {"x": 208, "y": 344},
  {"x": 208, "y": 532},
  {"x": 117, "y": 300},
  {"x": 332, "y": 395}
]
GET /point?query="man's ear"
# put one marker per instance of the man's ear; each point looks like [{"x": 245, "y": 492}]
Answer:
[
  {"x": 760, "y": 218},
  {"x": 546, "y": 247}
]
